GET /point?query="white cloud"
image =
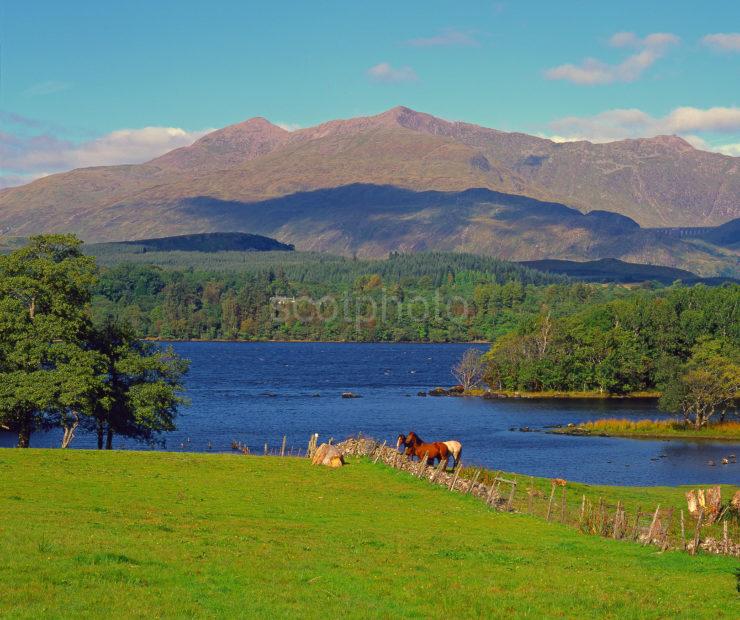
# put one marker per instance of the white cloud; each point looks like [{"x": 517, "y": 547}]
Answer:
[
  {"x": 47, "y": 88},
  {"x": 24, "y": 158},
  {"x": 729, "y": 149},
  {"x": 723, "y": 41},
  {"x": 620, "y": 124},
  {"x": 446, "y": 38},
  {"x": 384, "y": 72},
  {"x": 289, "y": 126},
  {"x": 592, "y": 71}
]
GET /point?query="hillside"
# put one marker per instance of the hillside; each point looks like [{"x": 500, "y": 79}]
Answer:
[
  {"x": 660, "y": 181},
  {"x": 613, "y": 270},
  {"x": 174, "y": 535},
  {"x": 205, "y": 242},
  {"x": 477, "y": 221},
  {"x": 403, "y": 181}
]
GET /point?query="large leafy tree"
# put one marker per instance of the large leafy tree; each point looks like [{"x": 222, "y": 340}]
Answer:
[
  {"x": 141, "y": 388},
  {"x": 707, "y": 385},
  {"x": 45, "y": 368},
  {"x": 58, "y": 369}
]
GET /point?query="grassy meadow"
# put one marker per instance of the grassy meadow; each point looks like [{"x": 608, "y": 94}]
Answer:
[{"x": 162, "y": 535}]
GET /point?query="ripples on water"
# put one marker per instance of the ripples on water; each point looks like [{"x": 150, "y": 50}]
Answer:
[{"x": 257, "y": 392}]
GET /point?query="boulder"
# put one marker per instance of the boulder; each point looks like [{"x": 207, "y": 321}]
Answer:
[
  {"x": 350, "y": 395},
  {"x": 709, "y": 500},
  {"x": 328, "y": 455},
  {"x": 438, "y": 391},
  {"x": 456, "y": 389},
  {"x": 421, "y": 393}
]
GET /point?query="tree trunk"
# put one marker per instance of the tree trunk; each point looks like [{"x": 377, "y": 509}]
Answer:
[
  {"x": 69, "y": 430},
  {"x": 109, "y": 439},
  {"x": 99, "y": 431},
  {"x": 24, "y": 435}
]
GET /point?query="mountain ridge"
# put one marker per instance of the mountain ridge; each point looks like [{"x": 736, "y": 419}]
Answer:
[{"x": 656, "y": 182}]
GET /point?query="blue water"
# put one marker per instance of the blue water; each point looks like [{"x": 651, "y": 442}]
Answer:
[{"x": 258, "y": 392}]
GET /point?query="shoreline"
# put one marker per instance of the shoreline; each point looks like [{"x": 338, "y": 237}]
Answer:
[
  {"x": 237, "y": 341},
  {"x": 495, "y": 395},
  {"x": 576, "y": 432}
]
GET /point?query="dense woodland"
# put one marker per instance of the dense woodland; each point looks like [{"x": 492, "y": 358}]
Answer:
[
  {"x": 422, "y": 297},
  {"x": 641, "y": 342},
  {"x": 549, "y": 333}
]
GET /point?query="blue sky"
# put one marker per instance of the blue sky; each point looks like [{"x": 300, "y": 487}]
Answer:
[{"x": 82, "y": 80}]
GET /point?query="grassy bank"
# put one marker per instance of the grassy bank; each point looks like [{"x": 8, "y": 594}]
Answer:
[
  {"x": 162, "y": 534},
  {"x": 562, "y": 395},
  {"x": 656, "y": 429}
]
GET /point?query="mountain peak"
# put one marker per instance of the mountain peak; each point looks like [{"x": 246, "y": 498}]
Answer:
[
  {"x": 245, "y": 131},
  {"x": 227, "y": 147},
  {"x": 673, "y": 140},
  {"x": 401, "y": 116},
  {"x": 667, "y": 141}
]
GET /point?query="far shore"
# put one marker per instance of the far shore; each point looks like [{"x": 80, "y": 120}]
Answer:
[
  {"x": 264, "y": 341},
  {"x": 548, "y": 395}
]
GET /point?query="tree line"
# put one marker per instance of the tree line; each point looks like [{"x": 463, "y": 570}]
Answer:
[
  {"x": 401, "y": 299},
  {"x": 674, "y": 341},
  {"x": 59, "y": 368}
]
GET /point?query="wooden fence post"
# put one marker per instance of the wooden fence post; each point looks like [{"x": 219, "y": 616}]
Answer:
[
  {"x": 725, "y": 538},
  {"x": 549, "y": 504},
  {"x": 510, "y": 503},
  {"x": 491, "y": 492},
  {"x": 380, "y": 452},
  {"x": 583, "y": 510},
  {"x": 636, "y": 529},
  {"x": 266, "y": 449},
  {"x": 615, "y": 525},
  {"x": 438, "y": 470},
  {"x": 422, "y": 465},
  {"x": 454, "y": 476},
  {"x": 650, "y": 533},
  {"x": 530, "y": 498},
  {"x": 282, "y": 448},
  {"x": 472, "y": 483},
  {"x": 683, "y": 532},
  {"x": 697, "y": 532},
  {"x": 665, "y": 531},
  {"x": 563, "y": 508}
]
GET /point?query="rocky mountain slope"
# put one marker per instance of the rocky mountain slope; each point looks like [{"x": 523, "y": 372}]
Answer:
[{"x": 243, "y": 177}]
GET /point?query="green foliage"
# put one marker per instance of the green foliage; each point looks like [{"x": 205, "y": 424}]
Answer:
[
  {"x": 45, "y": 370},
  {"x": 56, "y": 368},
  {"x": 141, "y": 386},
  {"x": 707, "y": 384},
  {"x": 420, "y": 297},
  {"x": 627, "y": 345}
]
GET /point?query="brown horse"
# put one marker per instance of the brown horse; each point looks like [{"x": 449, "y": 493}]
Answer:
[{"x": 415, "y": 446}]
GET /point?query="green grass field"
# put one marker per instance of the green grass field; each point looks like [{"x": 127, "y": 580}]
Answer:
[{"x": 161, "y": 534}]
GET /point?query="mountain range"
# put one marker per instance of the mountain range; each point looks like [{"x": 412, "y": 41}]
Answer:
[{"x": 407, "y": 181}]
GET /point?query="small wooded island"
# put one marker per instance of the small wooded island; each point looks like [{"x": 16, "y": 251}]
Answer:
[{"x": 654, "y": 429}]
